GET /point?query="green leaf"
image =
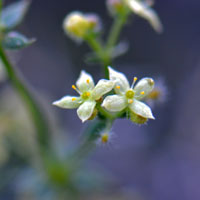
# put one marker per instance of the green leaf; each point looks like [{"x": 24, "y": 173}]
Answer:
[
  {"x": 15, "y": 40},
  {"x": 13, "y": 14},
  {"x": 120, "y": 49}
]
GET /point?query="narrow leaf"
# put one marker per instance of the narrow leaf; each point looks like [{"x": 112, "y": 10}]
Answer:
[{"x": 15, "y": 40}]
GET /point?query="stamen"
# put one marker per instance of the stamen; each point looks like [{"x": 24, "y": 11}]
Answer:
[
  {"x": 130, "y": 101},
  {"x": 74, "y": 87},
  {"x": 88, "y": 81},
  {"x": 88, "y": 94},
  {"x": 74, "y": 99},
  {"x": 117, "y": 87},
  {"x": 134, "y": 81},
  {"x": 142, "y": 93}
]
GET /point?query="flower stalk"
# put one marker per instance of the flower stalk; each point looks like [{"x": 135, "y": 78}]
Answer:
[{"x": 33, "y": 108}]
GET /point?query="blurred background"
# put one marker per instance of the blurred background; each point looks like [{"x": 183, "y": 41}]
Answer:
[{"x": 158, "y": 161}]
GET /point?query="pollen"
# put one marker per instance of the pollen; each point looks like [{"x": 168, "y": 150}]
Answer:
[
  {"x": 142, "y": 93},
  {"x": 88, "y": 81},
  {"x": 104, "y": 138},
  {"x": 88, "y": 94},
  {"x": 74, "y": 99},
  {"x": 130, "y": 101},
  {"x": 135, "y": 79},
  {"x": 117, "y": 87},
  {"x": 74, "y": 87}
]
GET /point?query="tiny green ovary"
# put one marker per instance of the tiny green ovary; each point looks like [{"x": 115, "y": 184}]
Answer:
[
  {"x": 85, "y": 95},
  {"x": 130, "y": 94}
]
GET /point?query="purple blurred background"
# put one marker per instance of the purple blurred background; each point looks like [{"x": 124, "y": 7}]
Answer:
[{"x": 160, "y": 161}]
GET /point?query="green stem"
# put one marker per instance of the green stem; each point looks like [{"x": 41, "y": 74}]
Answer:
[
  {"x": 90, "y": 136},
  {"x": 1, "y": 5},
  {"x": 115, "y": 31},
  {"x": 99, "y": 49},
  {"x": 34, "y": 110}
]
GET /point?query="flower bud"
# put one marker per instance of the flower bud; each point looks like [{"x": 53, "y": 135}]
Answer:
[
  {"x": 94, "y": 21},
  {"x": 78, "y": 25},
  {"x": 137, "y": 119},
  {"x": 115, "y": 6},
  {"x": 94, "y": 114}
]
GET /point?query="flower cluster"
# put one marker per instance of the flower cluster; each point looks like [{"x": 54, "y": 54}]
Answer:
[
  {"x": 127, "y": 99},
  {"x": 89, "y": 95}
]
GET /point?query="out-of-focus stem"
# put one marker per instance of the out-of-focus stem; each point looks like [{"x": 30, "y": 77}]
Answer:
[
  {"x": 115, "y": 31},
  {"x": 33, "y": 108},
  {"x": 99, "y": 49}
]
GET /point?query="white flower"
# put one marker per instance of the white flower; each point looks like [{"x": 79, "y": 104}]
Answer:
[
  {"x": 129, "y": 96},
  {"x": 89, "y": 94},
  {"x": 144, "y": 10}
]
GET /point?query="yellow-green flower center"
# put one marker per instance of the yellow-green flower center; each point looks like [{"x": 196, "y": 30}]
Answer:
[
  {"x": 85, "y": 95},
  {"x": 130, "y": 94}
]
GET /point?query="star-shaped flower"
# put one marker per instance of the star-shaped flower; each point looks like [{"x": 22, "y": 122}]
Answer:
[
  {"x": 89, "y": 94},
  {"x": 129, "y": 97}
]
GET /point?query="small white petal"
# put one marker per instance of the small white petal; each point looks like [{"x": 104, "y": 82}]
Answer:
[
  {"x": 102, "y": 87},
  {"x": 144, "y": 10},
  {"x": 85, "y": 82},
  {"x": 114, "y": 103},
  {"x": 141, "y": 109},
  {"x": 69, "y": 102},
  {"x": 143, "y": 88},
  {"x": 85, "y": 110},
  {"x": 120, "y": 80}
]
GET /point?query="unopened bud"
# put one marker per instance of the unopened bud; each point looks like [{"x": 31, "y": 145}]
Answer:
[
  {"x": 115, "y": 6},
  {"x": 94, "y": 21},
  {"x": 78, "y": 25},
  {"x": 137, "y": 119}
]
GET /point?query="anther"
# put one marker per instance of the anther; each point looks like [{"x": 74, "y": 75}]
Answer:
[
  {"x": 88, "y": 94},
  {"x": 104, "y": 138},
  {"x": 151, "y": 81},
  {"x": 88, "y": 81},
  {"x": 74, "y": 99},
  {"x": 142, "y": 93},
  {"x": 74, "y": 87},
  {"x": 134, "y": 80},
  {"x": 117, "y": 87},
  {"x": 130, "y": 101}
]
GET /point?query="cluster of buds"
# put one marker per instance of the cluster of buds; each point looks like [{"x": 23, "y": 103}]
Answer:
[
  {"x": 127, "y": 99},
  {"x": 78, "y": 25}
]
